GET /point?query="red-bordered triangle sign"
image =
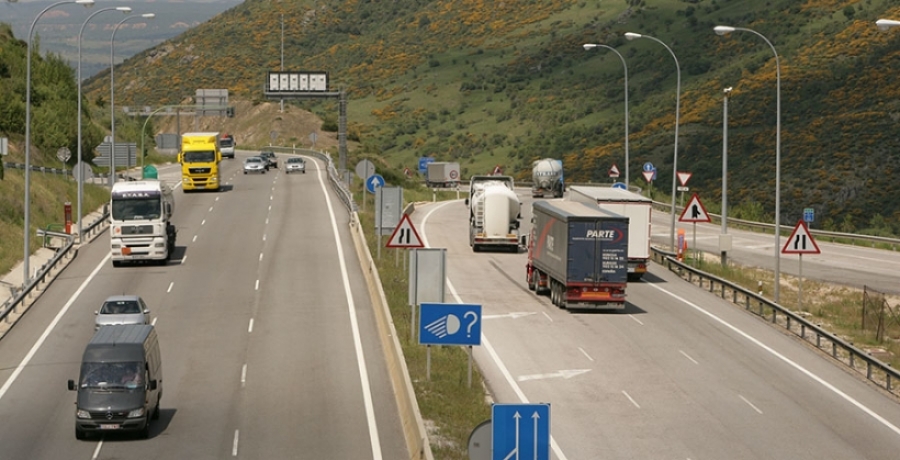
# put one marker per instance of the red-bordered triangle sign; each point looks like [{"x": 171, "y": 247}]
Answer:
[
  {"x": 614, "y": 171},
  {"x": 800, "y": 241},
  {"x": 694, "y": 211},
  {"x": 684, "y": 177},
  {"x": 405, "y": 235}
]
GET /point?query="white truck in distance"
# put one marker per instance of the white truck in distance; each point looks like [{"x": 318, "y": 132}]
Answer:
[
  {"x": 140, "y": 226},
  {"x": 637, "y": 208},
  {"x": 494, "y": 213},
  {"x": 547, "y": 178}
]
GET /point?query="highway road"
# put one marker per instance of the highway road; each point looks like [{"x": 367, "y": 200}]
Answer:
[
  {"x": 268, "y": 340},
  {"x": 679, "y": 374},
  {"x": 841, "y": 264}
]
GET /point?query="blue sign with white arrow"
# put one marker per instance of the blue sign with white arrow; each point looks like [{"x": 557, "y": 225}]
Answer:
[
  {"x": 649, "y": 167},
  {"x": 374, "y": 181},
  {"x": 520, "y": 431},
  {"x": 449, "y": 324}
]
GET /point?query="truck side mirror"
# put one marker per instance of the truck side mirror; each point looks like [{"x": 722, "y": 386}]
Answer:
[
  {"x": 72, "y": 385},
  {"x": 180, "y": 157},
  {"x": 467, "y": 201},
  {"x": 524, "y": 240}
]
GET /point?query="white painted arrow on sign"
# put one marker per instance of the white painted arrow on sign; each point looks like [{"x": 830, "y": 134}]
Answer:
[{"x": 564, "y": 374}]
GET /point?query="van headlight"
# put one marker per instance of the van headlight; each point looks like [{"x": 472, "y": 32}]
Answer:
[
  {"x": 81, "y": 413},
  {"x": 136, "y": 413}
]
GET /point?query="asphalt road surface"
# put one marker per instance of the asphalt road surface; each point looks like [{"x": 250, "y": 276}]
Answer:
[
  {"x": 268, "y": 340},
  {"x": 679, "y": 374}
]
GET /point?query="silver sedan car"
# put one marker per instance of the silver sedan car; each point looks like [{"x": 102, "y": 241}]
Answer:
[
  {"x": 122, "y": 309},
  {"x": 295, "y": 164},
  {"x": 255, "y": 165}
]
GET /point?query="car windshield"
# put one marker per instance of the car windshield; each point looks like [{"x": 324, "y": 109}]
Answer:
[
  {"x": 120, "y": 307},
  {"x": 124, "y": 375},
  {"x": 295, "y": 160},
  {"x": 254, "y": 160}
]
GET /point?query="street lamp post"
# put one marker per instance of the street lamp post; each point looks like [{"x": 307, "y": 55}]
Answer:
[
  {"x": 78, "y": 163},
  {"x": 27, "y": 231},
  {"x": 724, "y": 30},
  {"x": 589, "y": 46},
  {"x": 724, "y": 238},
  {"x": 112, "y": 96},
  {"x": 632, "y": 36}
]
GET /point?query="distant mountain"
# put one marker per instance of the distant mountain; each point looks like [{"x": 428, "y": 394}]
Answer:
[{"x": 57, "y": 30}]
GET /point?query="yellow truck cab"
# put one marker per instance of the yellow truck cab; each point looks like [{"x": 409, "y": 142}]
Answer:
[{"x": 199, "y": 158}]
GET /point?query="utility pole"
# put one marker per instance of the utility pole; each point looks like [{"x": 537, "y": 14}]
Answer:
[{"x": 281, "y": 107}]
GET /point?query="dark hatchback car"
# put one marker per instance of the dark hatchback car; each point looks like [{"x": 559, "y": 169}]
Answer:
[{"x": 270, "y": 157}]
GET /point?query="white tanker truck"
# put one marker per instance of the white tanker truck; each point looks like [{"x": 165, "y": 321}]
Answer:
[
  {"x": 494, "y": 213},
  {"x": 547, "y": 178}
]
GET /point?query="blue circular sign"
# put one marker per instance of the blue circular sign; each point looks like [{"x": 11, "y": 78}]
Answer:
[
  {"x": 620, "y": 185},
  {"x": 373, "y": 181},
  {"x": 648, "y": 167}
]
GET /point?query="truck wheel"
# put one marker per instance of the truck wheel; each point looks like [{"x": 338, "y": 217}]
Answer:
[
  {"x": 530, "y": 282},
  {"x": 80, "y": 434},
  {"x": 144, "y": 433},
  {"x": 117, "y": 263}
]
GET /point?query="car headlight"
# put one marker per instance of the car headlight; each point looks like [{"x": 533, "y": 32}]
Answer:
[
  {"x": 81, "y": 413},
  {"x": 136, "y": 413}
]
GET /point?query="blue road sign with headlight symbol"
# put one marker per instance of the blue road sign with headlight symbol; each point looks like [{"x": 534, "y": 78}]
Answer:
[
  {"x": 520, "y": 431},
  {"x": 449, "y": 324}
]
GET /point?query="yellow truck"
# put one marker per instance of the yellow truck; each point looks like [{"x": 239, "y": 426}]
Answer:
[{"x": 199, "y": 158}]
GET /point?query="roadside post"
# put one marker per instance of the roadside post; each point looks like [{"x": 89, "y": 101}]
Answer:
[{"x": 449, "y": 324}]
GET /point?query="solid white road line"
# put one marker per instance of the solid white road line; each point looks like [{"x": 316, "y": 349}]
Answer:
[
  {"x": 354, "y": 325},
  {"x": 37, "y": 345}
]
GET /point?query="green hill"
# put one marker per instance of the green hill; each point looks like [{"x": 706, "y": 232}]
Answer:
[{"x": 488, "y": 83}]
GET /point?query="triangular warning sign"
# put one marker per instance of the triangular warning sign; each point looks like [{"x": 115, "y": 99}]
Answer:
[
  {"x": 405, "y": 235},
  {"x": 800, "y": 241},
  {"x": 684, "y": 177},
  {"x": 614, "y": 171},
  {"x": 694, "y": 211}
]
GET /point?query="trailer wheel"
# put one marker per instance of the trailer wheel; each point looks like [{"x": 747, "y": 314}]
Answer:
[
  {"x": 532, "y": 286},
  {"x": 553, "y": 297}
]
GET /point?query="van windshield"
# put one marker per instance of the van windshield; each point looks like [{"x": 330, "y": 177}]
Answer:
[{"x": 125, "y": 375}]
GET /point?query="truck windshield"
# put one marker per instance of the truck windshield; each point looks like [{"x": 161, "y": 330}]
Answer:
[
  {"x": 136, "y": 208},
  {"x": 200, "y": 156},
  {"x": 226, "y": 142},
  {"x": 127, "y": 375}
]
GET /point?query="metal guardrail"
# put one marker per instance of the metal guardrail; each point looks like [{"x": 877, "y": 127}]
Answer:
[
  {"x": 61, "y": 172},
  {"x": 14, "y": 302},
  {"x": 875, "y": 371},
  {"x": 854, "y": 238}
]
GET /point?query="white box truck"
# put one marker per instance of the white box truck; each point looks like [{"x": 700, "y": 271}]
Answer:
[{"x": 637, "y": 208}]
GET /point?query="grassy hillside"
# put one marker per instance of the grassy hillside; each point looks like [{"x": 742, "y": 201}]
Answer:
[{"x": 488, "y": 83}]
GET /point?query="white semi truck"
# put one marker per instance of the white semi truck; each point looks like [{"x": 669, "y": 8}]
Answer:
[
  {"x": 141, "y": 226},
  {"x": 494, "y": 213},
  {"x": 636, "y": 207}
]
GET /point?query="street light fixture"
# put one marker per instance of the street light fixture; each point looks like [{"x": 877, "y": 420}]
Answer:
[
  {"x": 724, "y": 30},
  {"x": 885, "y": 24},
  {"x": 632, "y": 36},
  {"x": 87, "y": 3},
  {"x": 112, "y": 96},
  {"x": 590, "y": 46},
  {"x": 80, "y": 178}
]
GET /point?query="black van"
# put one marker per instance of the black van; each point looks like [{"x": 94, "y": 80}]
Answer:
[{"x": 121, "y": 381}]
